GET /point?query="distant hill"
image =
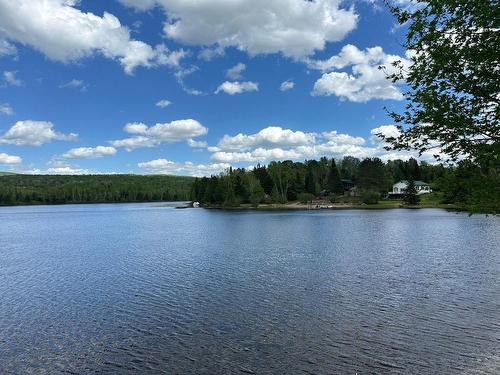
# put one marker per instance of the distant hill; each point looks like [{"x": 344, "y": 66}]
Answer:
[
  {"x": 6, "y": 173},
  {"x": 19, "y": 189}
]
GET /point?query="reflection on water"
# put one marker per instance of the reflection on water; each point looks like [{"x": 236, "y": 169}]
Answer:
[{"x": 145, "y": 288}]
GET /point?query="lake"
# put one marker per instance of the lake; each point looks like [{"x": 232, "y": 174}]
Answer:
[{"x": 149, "y": 289}]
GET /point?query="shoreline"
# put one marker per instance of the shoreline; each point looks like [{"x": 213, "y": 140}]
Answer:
[
  {"x": 295, "y": 206},
  {"x": 87, "y": 203},
  {"x": 292, "y": 206}
]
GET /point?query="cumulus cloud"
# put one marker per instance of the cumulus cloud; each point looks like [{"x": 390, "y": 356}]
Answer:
[
  {"x": 294, "y": 28},
  {"x": 6, "y": 159},
  {"x": 386, "y": 131},
  {"x": 89, "y": 152},
  {"x": 170, "y": 58},
  {"x": 58, "y": 166},
  {"x": 236, "y": 71},
  {"x": 11, "y": 79},
  {"x": 65, "y": 171},
  {"x": 287, "y": 85},
  {"x": 339, "y": 138},
  {"x": 276, "y": 143},
  {"x": 164, "y": 103},
  {"x": 164, "y": 166},
  {"x": 64, "y": 33},
  {"x": 196, "y": 144},
  {"x": 365, "y": 80},
  {"x": 262, "y": 154},
  {"x": 233, "y": 88},
  {"x": 145, "y": 136},
  {"x": 34, "y": 133},
  {"x": 270, "y": 137},
  {"x": 6, "y": 109}
]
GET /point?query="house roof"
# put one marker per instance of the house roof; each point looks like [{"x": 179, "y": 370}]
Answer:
[{"x": 417, "y": 183}]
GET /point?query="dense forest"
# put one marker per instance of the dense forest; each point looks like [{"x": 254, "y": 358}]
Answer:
[
  {"x": 48, "y": 189},
  {"x": 463, "y": 184}
]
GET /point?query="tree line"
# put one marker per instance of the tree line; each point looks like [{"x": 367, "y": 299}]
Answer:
[
  {"x": 468, "y": 184},
  {"x": 17, "y": 189},
  {"x": 280, "y": 182}
]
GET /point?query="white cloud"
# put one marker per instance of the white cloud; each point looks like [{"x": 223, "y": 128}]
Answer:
[
  {"x": 365, "y": 82},
  {"x": 75, "y": 84},
  {"x": 291, "y": 27},
  {"x": 339, "y": 138},
  {"x": 233, "y": 88},
  {"x": 262, "y": 154},
  {"x": 275, "y": 143},
  {"x": 11, "y": 79},
  {"x": 139, "y": 4},
  {"x": 236, "y": 71},
  {"x": 410, "y": 5},
  {"x": 133, "y": 143},
  {"x": 6, "y": 109},
  {"x": 136, "y": 128},
  {"x": 208, "y": 54},
  {"x": 180, "y": 76},
  {"x": 287, "y": 85},
  {"x": 385, "y": 130},
  {"x": 174, "y": 131},
  {"x": 89, "y": 152},
  {"x": 64, "y": 171},
  {"x": 7, "y": 48},
  {"x": 64, "y": 33},
  {"x": 164, "y": 103},
  {"x": 164, "y": 166},
  {"x": 6, "y": 159},
  {"x": 270, "y": 137},
  {"x": 196, "y": 144},
  {"x": 34, "y": 133},
  {"x": 393, "y": 131},
  {"x": 170, "y": 58}
]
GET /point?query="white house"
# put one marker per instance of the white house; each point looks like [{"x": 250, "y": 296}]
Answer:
[{"x": 401, "y": 186}]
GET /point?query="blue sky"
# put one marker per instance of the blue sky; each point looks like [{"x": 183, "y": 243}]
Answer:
[{"x": 191, "y": 87}]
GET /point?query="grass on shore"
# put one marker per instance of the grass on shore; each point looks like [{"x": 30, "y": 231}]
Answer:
[{"x": 432, "y": 200}]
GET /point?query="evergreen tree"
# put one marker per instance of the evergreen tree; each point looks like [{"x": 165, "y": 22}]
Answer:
[
  {"x": 262, "y": 174},
  {"x": 413, "y": 169},
  {"x": 310, "y": 184},
  {"x": 372, "y": 175},
  {"x": 334, "y": 183},
  {"x": 410, "y": 196}
]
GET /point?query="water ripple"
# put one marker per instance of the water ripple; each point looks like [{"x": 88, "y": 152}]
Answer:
[{"x": 149, "y": 289}]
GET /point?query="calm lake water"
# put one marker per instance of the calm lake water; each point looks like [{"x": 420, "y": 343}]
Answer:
[{"x": 148, "y": 289}]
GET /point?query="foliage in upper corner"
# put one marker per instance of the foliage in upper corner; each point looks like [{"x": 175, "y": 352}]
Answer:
[{"x": 453, "y": 97}]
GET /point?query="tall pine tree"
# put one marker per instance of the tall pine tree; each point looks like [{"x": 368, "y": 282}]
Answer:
[{"x": 334, "y": 183}]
